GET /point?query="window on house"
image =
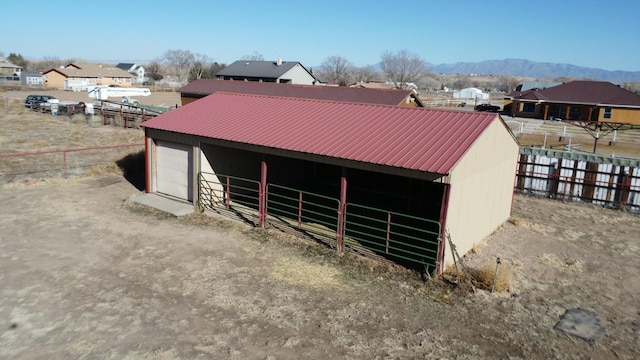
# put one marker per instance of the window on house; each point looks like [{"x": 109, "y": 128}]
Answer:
[
  {"x": 607, "y": 113},
  {"x": 528, "y": 107}
]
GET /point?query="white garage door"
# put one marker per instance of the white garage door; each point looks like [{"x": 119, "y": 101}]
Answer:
[{"x": 174, "y": 164}]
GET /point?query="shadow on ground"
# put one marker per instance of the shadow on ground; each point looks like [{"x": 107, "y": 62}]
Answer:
[{"x": 132, "y": 167}]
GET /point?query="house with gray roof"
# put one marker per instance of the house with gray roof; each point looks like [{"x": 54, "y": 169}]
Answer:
[
  {"x": 289, "y": 72},
  {"x": 134, "y": 69},
  {"x": 31, "y": 78}
]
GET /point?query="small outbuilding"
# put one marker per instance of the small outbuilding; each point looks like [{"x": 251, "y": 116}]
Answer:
[
  {"x": 31, "y": 78},
  {"x": 471, "y": 94},
  {"x": 387, "y": 181}
]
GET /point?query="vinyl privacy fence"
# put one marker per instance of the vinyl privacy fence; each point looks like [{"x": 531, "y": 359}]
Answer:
[{"x": 579, "y": 177}]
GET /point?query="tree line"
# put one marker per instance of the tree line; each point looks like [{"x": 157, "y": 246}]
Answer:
[{"x": 404, "y": 69}]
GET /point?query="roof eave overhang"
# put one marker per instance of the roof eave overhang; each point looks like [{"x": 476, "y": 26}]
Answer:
[
  {"x": 324, "y": 159},
  {"x": 619, "y": 106},
  {"x": 579, "y": 103}
]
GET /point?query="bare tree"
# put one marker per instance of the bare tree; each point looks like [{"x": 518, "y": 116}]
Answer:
[
  {"x": 507, "y": 84},
  {"x": 154, "y": 70},
  {"x": 633, "y": 87},
  {"x": 179, "y": 63},
  {"x": 215, "y": 67},
  {"x": 363, "y": 73},
  {"x": 461, "y": 82},
  {"x": 48, "y": 63},
  {"x": 201, "y": 67},
  {"x": 431, "y": 82},
  {"x": 256, "y": 56},
  {"x": 403, "y": 68},
  {"x": 337, "y": 69}
]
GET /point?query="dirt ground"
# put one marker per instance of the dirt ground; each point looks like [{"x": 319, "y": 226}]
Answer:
[{"x": 85, "y": 273}]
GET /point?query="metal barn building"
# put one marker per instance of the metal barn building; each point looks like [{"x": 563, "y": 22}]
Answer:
[{"x": 384, "y": 181}]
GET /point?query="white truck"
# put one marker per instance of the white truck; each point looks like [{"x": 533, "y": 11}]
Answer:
[
  {"x": 126, "y": 109},
  {"x": 106, "y": 92}
]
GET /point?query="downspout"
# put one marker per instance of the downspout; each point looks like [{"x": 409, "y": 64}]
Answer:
[{"x": 444, "y": 207}]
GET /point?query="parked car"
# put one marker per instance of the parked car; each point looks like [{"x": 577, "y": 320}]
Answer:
[
  {"x": 33, "y": 101},
  {"x": 487, "y": 107}
]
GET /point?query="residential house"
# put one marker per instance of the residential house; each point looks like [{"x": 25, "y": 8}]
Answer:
[
  {"x": 75, "y": 75},
  {"x": 31, "y": 78},
  {"x": 9, "y": 71},
  {"x": 134, "y": 69},
  {"x": 198, "y": 89},
  {"x": 585, "y": 101},
  {"x": 290, "y": 72}
]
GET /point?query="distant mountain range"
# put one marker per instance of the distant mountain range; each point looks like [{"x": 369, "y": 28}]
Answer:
[{"x": 538, "y": 70}]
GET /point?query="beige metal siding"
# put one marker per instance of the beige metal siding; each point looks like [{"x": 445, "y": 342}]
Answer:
[{"x": 482, "y": 189}]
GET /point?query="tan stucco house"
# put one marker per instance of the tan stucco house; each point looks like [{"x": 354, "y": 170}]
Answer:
[{"x": 86, "y": 74}]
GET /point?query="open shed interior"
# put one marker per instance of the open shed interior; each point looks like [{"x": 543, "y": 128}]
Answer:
[{"x": 380, "y": 206}]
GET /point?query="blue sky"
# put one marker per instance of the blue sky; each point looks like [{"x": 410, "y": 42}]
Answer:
[{"x": 598, "y": 34}]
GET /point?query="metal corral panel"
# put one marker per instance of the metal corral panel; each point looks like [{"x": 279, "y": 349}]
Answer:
[
  {"x": 174, "y": 169},
  {"x": 428, "y": 140}
]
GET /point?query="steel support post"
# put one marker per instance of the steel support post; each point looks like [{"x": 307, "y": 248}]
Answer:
[
  {"x": 262, "y": 195},
  {"x": 341, "y": 209}
]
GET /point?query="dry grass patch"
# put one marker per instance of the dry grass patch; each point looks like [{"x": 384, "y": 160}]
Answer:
[
  {"x": 517, "y": 221},
  {"x": 484, "y": 278},
  {"x": 299, "y": 271},
  {"x": 492, "y": 276},
  {"x": 53, "y": 146}
]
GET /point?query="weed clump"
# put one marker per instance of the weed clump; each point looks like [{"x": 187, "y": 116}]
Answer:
[{"x": 484, "y": 278}]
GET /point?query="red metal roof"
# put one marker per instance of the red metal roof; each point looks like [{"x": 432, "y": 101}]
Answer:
[
  {"x": 422, "y": 139},
  {"x": 202, "y": 87}
]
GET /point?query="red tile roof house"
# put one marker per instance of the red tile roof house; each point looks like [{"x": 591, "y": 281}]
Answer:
[
  {"x": 370, "y": 165},
  {"x": 198, "y": 89},
  {"x": 597, "y": 102}
]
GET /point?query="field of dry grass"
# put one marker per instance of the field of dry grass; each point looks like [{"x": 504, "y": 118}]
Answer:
[{"x": 49, "y": 146}]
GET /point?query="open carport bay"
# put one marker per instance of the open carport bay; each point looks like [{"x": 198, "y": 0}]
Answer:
[{"x": 387, "y": 215}]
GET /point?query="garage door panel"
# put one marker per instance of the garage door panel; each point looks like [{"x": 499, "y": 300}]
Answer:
[{"x": 174, "y": 166}]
